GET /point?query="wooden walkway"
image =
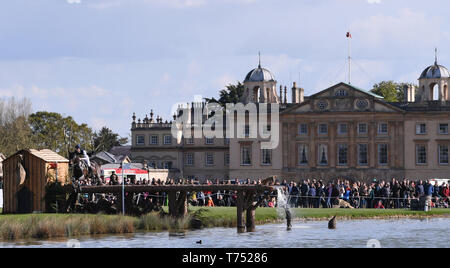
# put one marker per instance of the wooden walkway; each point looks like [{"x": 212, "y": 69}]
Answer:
[{"x": 247, "y": 196}]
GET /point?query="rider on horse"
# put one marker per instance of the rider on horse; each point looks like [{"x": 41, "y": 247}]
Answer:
[
  {"x": 80, "y": 162},
  {"x": 82, "y": 154}
]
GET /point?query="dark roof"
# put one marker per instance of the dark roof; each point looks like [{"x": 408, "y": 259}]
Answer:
[
  {"x": 435, "y": 71},
  {"x": 105, "y": 156},
  {"x": 109, "y": 157},
  {"x": 121, "y": 150},
  {"x": 259, "y": 75},
  {"x": 426, "y": 106}
]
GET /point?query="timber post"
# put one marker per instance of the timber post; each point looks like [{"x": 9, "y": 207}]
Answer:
[
  {"x": 240, "y": 212},
  {"x": 250, "y": 211},
  {"x": 173, "y": 211},
  {"x": 178, "y": 205}
]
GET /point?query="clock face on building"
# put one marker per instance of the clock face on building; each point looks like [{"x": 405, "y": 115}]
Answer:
[
  {"x": 322, "y": 105},
  {"x": 362, "y": 104}
]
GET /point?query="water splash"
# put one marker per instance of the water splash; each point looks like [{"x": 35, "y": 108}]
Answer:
[{"x": 283, "y": 208}]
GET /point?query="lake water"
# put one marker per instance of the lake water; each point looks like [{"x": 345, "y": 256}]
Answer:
[{"x": 384, "y": 233}]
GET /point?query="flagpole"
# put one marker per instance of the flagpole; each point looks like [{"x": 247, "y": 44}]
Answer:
[
  {"x": 349, "y": 58},
  {"x": 123, "y": 190}
]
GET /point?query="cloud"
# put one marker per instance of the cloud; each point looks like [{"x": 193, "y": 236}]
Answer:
[
  {"x": 14, "y": 91},
  {"x": 74, "y": 1},
  {"x": 401, "y": 30},
  {"x": 374, "y": 1}
]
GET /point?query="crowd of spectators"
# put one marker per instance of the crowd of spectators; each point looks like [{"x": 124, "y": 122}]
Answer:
[{"x": 311, "y": 193}]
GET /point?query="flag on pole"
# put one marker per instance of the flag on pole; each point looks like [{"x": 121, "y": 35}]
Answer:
[{"x": 349, "y": 35}]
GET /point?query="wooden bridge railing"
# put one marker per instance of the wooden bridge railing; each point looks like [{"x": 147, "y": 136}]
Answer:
[{"x": 246, "y": 196}]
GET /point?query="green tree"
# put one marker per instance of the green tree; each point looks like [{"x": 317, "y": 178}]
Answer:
[
  {"x": 390, "y": 90},
  {"x": 58, "y": 133},
  {"x": 106, "y": 139},
  {"x": 232, "y": 94}
]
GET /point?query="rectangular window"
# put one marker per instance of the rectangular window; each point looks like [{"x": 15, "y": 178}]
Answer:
[
  {"x": 154, "y": 140},
  {"x": 227, "y": 141},
  {"x": 342, "y": 154},
  {"x": 383, "y": 128},
  {"x": 382, "y": 154},
  {"x": 421, "y": 129},
  {"x": 323, "y": 155},
  {"x": 363, "y": 152},
  {"x": 227, "y": 159},
  {"x": 303, "y": 155},
  {"x": 323, "y": 129},
  {"x": 140, "y": 140},
  {"x": 443, "y": 129},
  {"x": 362, "y": 128},
  {"x": 246, "y": 156},
  {"x": 421, "y": 154},
  {"x": 342, "y": 129},
  {"x": 266, "y": 157},
  {"x": 209, "y": 141},
  {"x": 209, "y": 159},
  {"x": 167, "y": 139},
  {"x": 189, "y": 159},
  {"x": 303, "y": 129},
  {"x": 443, "y": 154},
  {"x": 190, "y": 141}
]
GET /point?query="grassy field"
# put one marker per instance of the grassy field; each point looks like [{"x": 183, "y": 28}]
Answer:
[
  {"x": 43, "y": 226},
  {"x": 264, "y": 215}
]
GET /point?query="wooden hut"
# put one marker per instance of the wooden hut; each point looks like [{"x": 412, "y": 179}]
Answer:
[{"x": 25, "y": 176}]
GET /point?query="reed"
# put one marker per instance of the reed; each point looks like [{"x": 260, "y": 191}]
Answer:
[
  {"x": 45, "y": 226},
  {"x": 154, "y": 222}
]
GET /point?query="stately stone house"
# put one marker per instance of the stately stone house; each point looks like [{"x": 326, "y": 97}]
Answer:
[{"x": 342, "y": 131}]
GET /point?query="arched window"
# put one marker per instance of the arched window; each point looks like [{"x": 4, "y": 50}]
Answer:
[{"x": 434, "y": 92}]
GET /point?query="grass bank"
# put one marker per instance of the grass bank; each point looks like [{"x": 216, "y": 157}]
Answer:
[
  {"x": 226, "y": 217},
  {"x": 45, "y": 226}
]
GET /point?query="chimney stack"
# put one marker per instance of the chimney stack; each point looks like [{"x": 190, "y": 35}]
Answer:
[
  {"x": 410, "y": 93},
  {"x": 298, "y": 94}
]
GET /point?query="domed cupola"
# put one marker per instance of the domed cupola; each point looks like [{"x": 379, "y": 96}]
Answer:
[
  {"x": 259, "y": 75},
  {"x": 435, "y": 72},
  {"x": 260, "y": 86},
  {"x": 434, "y": 77}
]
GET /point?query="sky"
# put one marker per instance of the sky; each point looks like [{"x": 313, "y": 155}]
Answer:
[{"x": 101, "y": 60}]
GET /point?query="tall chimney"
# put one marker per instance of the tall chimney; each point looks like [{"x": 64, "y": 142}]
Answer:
[
  {"x": 301, "y": 95},
  {"x": 295, "y": 97},
  {"x": 298, "y": 94},
  {"x": 410, "y": 93}
]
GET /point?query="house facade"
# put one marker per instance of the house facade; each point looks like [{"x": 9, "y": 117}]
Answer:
[{"x": 342, "y": 131}]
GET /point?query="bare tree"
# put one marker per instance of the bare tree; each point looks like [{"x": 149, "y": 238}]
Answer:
[{"x": 15, "y": 133}]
